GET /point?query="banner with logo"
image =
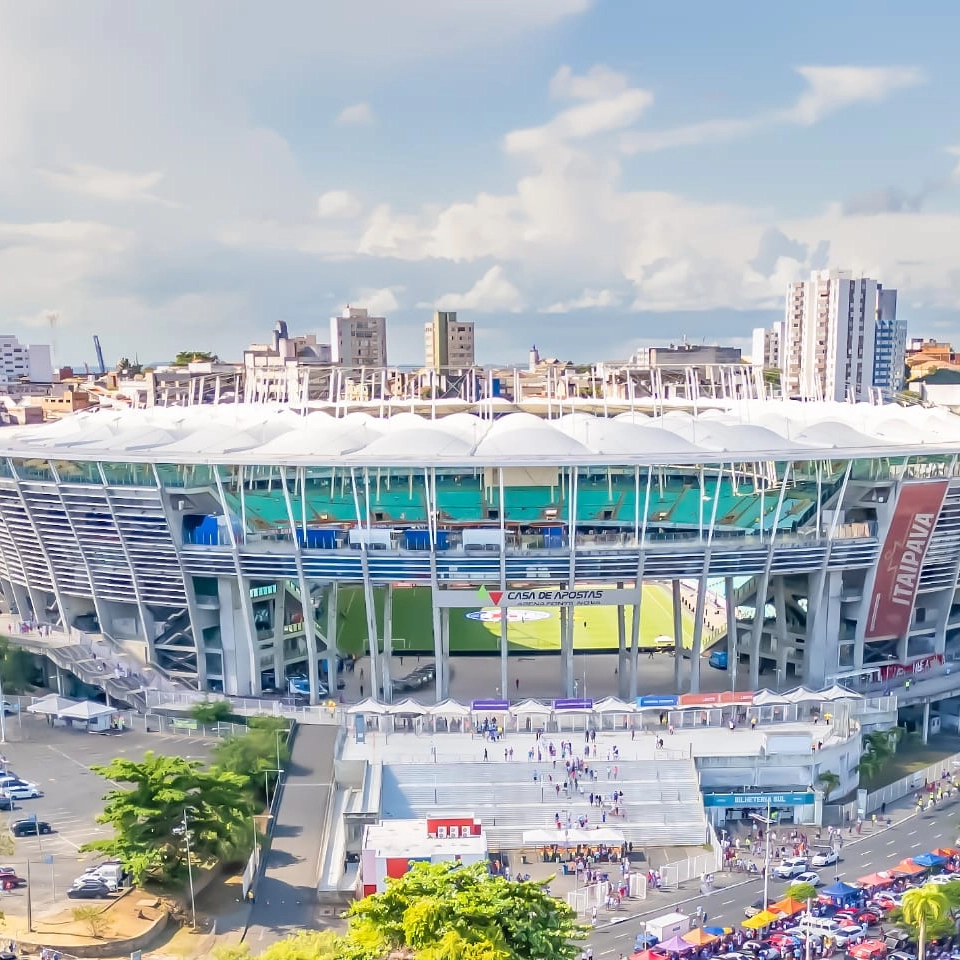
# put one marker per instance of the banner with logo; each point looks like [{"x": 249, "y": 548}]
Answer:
[{"x": 901, "y": 557}]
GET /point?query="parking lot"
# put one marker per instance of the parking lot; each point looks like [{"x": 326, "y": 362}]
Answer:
[{"x": 58, "y": 760}]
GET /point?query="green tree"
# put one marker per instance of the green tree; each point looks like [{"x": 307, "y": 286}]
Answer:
[
  {"x": 253, "y": 754},
  {"x": 148, "y": 818},
  {"x": 185, "y": 357},
  {"x": 444, "y": 911},
  {"x": 211, "y": 711},
  {"x": 16, "y": 667},
  {"x": 829, "y": 781},
  {"x": 302, "y": 945},
  {"x": 803, "y": 892},
  {"x": 924, "y": 911}
]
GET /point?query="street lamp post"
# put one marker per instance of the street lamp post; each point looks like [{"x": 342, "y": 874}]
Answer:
[
  {"x": 193, "y": 900},
  {"x": 3, "y": 718},
  {"x": 767, "y": 822}
]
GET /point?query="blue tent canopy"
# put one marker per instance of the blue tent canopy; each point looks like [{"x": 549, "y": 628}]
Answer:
[
  {"x": 929, "y": 860},
  {"x": 840, "y": 891}
]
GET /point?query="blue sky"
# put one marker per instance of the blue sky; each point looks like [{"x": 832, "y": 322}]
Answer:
[{"x": 589, "y": 175}]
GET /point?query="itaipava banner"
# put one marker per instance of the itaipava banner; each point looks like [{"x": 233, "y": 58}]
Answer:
[{"x": 898, "y": 570}]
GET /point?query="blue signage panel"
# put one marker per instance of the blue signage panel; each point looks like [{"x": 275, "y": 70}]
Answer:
[
  {"x": 572, "y": 704},
  {"x": 490, "y": 706},
  {"x": 657, "y": 700},
  {"x": 756, "y": 799}
]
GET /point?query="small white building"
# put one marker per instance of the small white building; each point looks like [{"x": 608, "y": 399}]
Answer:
[
  {"x": 19, "y": 361},
  {"x": 390, "y": 846}
]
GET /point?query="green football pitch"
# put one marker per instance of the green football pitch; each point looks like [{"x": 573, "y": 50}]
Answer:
[{"x": 595, "y": 628}]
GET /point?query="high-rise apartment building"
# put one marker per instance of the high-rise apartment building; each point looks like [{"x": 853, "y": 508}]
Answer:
[
  {"x": 357, "y": 339},
  {"x": 448, "y": 342},
  {"x": 840, "y": 338},
  {"x": 765, "y": 349},
  {"x": 890, "y": 348},
  {"x": 19, "y": 361}
]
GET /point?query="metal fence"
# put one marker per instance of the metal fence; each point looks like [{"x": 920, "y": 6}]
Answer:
[
  {"x": 910, "y": 783},
  {"x": 328, "y": 713}
]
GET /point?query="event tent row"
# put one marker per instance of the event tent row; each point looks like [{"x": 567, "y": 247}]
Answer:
[
  {"x": 96, "y": 716},
  {"x": 452, "y": 709}
]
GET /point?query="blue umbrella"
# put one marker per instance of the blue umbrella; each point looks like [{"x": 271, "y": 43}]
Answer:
[{"x": 717, "y": 931}]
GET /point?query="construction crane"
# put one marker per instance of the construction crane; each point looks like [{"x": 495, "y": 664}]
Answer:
[{"x": 96, "y": 344}]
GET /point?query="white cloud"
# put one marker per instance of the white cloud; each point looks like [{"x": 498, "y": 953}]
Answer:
[
  {"x": 955, "y": 173},
  {"x": 492, "y": 293},
  {"x": 379, "y": 303},
  {"x": 828, "y": 89},
  {"x": 356, "y": 115},
  {"x": 101, "y": 184},
  {"x": 338, "y": 205},
  {"x": 588, "y": 300},
  {"x": 832, "y": 88},
  {"x": 609, "y": 105},
  {"x": 597, "y": 83}
]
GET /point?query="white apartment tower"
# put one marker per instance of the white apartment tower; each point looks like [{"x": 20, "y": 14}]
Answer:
[
  {"x": 357, "y": 339},
  {"x": 19, "y": 361},
  {"x": 829, "y": 338},
  {"x": 448, "y": 342},
  {"x": 765, "y": 348}
]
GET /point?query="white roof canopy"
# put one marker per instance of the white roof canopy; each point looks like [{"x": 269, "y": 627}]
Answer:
[
  {"x": 87, "y": 710},
  {"x": 273, "y": 434}
]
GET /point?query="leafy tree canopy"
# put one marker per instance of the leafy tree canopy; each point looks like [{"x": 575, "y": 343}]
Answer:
[
  {"x": 445, "y": 911},
  {"x": 148, "y": 818},
  {"x": 254, "y": 753},
  {"x": 925, "y": 913},
  {"x": 303, "y": 945},
  {"x": 803, "y": 891},
  {"x": 185, "y": 357},
  {"x": 16, "y": 667}
]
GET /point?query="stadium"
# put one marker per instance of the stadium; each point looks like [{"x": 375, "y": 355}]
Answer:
[{"x": 236, "y": 546}]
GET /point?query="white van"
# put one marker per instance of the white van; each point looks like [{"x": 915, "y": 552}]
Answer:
[{"x": 821, "y": 926}]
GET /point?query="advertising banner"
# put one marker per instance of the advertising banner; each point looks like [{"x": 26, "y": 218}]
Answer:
[
  {"x": 904, "y": 547},
  {"x": 757, "y": 799},
  {"x": 893, "y": 671},
  {"x": 487, "y": 597}
]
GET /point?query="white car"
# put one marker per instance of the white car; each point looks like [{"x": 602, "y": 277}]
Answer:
[
  {"x": 790, "y": 868},
  {"x": 21, "y": 791},
  {"x": 825, "y": 858},
  {"x": 808, "y": 876},
  {"x": 94, "y": 874}
]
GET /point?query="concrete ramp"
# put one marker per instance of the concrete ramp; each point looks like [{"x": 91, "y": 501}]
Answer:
[{"x": 286, "y": 895}]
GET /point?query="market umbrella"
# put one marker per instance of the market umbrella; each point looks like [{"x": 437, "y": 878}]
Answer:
[
  {"x": 906, "y": 867},
  {"x": 719, "y": 931},
  {"x": 646, "y": 955},
  {"x": 945, "y": 852},
  {"x": 762, "y": 919},
  {"x": 929, "y": 860},
  {"x": 839, "y": 890},
  {"x": 700, "y": 938},
  {"x": 788, "y": 906},
  {"x": 675, "y": 945},
  {"x": 876, "y": 880}
]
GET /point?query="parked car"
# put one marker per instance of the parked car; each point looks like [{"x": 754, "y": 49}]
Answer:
[
  {"x": 91, "y": 876},
  {"x": 808, "y": 876},
  {"x": 30, "y": 827},
  {"x": 10, "y": 880},
  {"x": 849, "y": 933},
  {"x": 85, "y": 888},
  {"x": 756, "y": 907},
  {"x": 825, "y": 858},
  {"x": 790, "y": 868},
  {"x": 762, "y": 950},
  {"x": 6, "y": 803},
  {"x": 868, "y": 950},
  {"x": 22, "y": 790},
  {"x": 868, "y": 918},
  {"x": 10, "y": 708},
  {"x": 719, "y": 659}
]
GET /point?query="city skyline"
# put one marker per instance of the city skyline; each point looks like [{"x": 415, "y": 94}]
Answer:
[{"x": 582, "y": 168}]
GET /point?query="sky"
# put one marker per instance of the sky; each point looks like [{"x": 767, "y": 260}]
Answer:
[{"x": 586, "y": 175}]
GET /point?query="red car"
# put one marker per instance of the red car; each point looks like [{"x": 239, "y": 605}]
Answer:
[
  {"x": 865, "y": 918},
  {"x": 9, "y": 879}
]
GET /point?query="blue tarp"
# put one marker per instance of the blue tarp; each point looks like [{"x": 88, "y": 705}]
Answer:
[
  {"x": 840, "y": 891},
  {"x": 929, "y": 860}
]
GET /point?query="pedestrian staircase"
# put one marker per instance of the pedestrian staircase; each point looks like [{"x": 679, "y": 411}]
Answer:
[{"x": 662, "y": 801}]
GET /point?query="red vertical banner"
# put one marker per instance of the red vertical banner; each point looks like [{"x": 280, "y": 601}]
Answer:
[{"x": 901, "y": 557}]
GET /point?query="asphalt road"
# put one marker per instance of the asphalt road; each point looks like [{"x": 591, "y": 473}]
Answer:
[
  {"x": 286, "y": 894},
  {"x": 868, "y": 853},
  {"x": 58, "y": 760}
]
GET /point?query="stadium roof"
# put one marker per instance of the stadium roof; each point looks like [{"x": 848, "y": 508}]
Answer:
[{"x": 247, "y": 433}]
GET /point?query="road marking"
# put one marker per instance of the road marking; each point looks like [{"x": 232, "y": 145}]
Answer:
[
  {"x": 726, "y": 903},
  {"x": 890, "y": 843},
  {"x": 82, "y": 766},
  {"x": 912, "y": 833}
]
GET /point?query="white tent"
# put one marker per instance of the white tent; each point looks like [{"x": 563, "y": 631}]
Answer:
[
  {"x": 368, "y": 706},
  {"x": 837, "y": 692},
  {"x": 87, "y": 710},
  {"x": 407, "y": 708},
  {"x": 802, "y": 695},
  {"x": 531, "y": 708},
  {"x": 449, "y": 708},
  {"x": 573, "y": 836},
  {"x": 51, "y": 705},
  {"x": 613, "y": 705},
  {"x": 767, "y": 698}
]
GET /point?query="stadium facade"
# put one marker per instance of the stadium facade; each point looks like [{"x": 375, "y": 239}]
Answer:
[{"x": 212, "y": 541}]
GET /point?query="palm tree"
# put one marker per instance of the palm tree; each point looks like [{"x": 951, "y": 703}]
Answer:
[
  {"x": 921, "y": 906},
  {"x": 829, "y": 781}
]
